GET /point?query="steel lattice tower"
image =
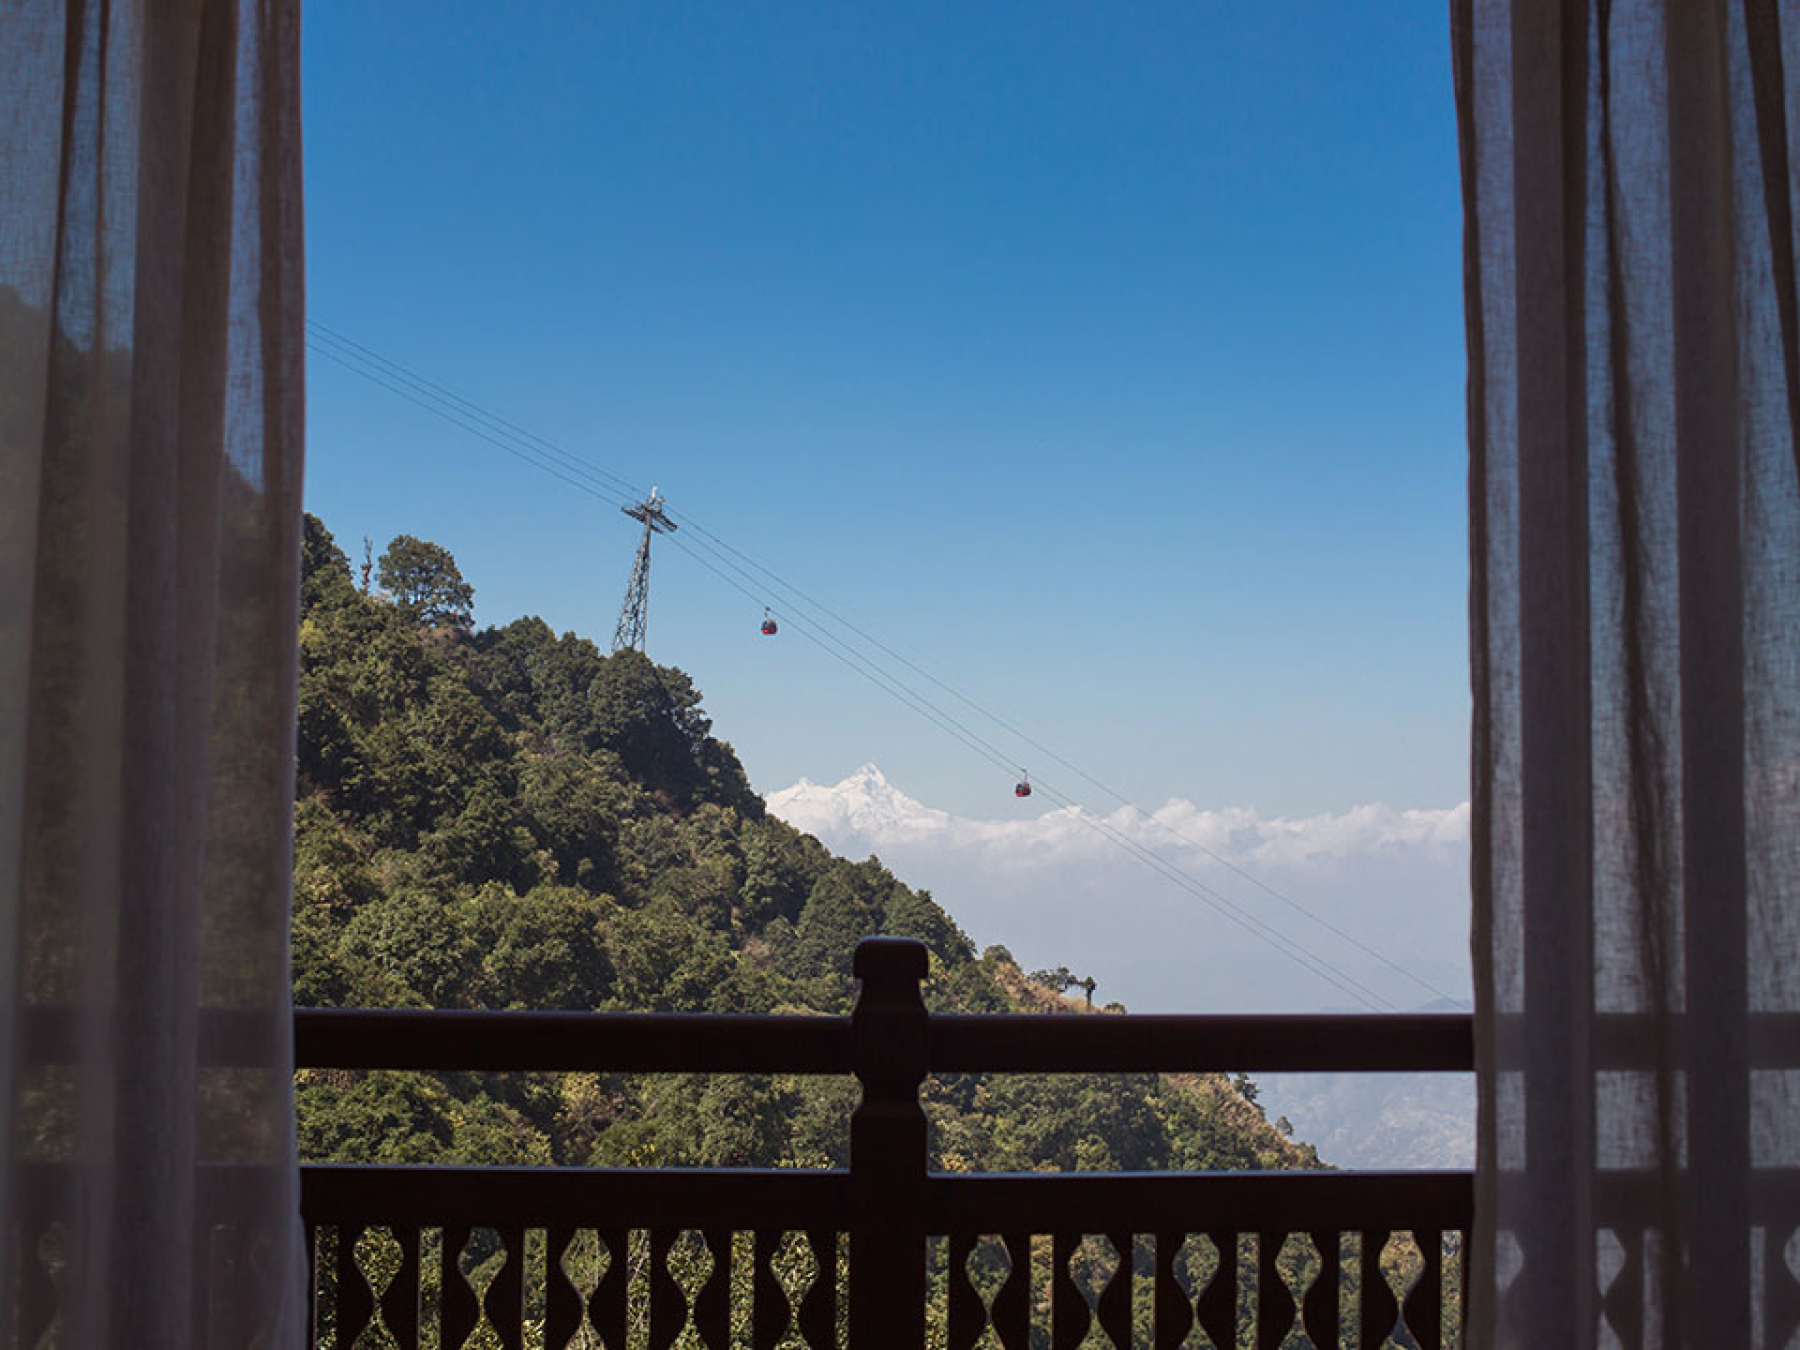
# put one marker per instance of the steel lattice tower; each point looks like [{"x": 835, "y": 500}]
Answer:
[{"x": 636, "y": 609}]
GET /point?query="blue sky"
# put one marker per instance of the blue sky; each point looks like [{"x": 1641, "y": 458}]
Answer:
[{"x": 1105, "y": 360}]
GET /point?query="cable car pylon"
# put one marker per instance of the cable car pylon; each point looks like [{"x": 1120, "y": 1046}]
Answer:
[{"x": 634, "y": 614}]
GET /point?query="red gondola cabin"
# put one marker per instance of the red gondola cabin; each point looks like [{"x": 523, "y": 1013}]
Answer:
[{"x": 1021, "y": 788}]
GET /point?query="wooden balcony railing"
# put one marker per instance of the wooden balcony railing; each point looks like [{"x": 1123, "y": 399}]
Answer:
[{"x": 884, "y": 1253}]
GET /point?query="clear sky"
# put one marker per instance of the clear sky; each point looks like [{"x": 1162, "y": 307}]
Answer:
[{"x": 1106, "y": 360}]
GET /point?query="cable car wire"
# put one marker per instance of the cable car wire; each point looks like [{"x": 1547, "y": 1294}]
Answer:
[
  {"x": 1291, "y": 947},
  {"x": 894, "y": 687},
  {"x": 1309, "y": 960},
  {"x": 588, "y": 469},
  {"x": 1322, "y": 967},
  {"x": 503, "y": 425},
  {"x": 597, "y": 481},
  {"x": 1112, "y": 792},
  {"x": 472, "y": 428}
]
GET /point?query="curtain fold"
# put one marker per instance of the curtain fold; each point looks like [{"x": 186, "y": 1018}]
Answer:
[
  {"x": 151, "y": 333},
  {"x": 1634, "y": 398}
]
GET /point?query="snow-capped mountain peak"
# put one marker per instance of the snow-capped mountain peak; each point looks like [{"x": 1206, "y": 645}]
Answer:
[{"x": 864, "y": 804}]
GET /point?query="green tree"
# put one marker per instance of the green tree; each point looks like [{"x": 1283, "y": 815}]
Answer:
[
  {"x": 376, "y": 1117},
  {"x": 664, "y": 961},
  {"x": 573, "y": 806},
  {"x": 406, "y": 949},
  {"x": 913, "y": 914},
  {"x": 781, "y": 866},
  {"x": 650, "y": 717},
  {"x": 324, "y": 570},
  {"x": 1059, "y": 979},
  {"x": 844, "y": 907},
  {"x": 422, "y": 580},
  {"x": 740, "y": 1122},
  {"x": 542, "y": 949}
]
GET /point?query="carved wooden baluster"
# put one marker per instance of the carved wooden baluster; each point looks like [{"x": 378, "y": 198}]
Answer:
[
  {"x": 1115, "y": 1298},
  {"x": 888, "y": 1030},
  {"x": 355, "y": 1304},
  {"x": 1012, "y": 1305},
  {"x": 1069, "y": 1315},
  {"x": 1424, "y": 1307},
  {"x": 1379, "y": 1310},
  {"x": 712, "y": 1305},
  {"x": 400, "y": 1300},
  {"x": 608, "y": 1308},
  {"x": 1173, "y": 1313},
  {"x": 562, "y": 1300},
  {"x": 235, "y": 1260},
  {"x": 1217, "y": 1305},
  {"x": 668, "y": 1305},
  {"x": 1782, "y": 1290},
  {"x": 37, "y": 1294},
  {"x": 1068, "y": 1307},
  {"x": 1321, "y": 1306},
  {"x": 770, "y": 1312},
  {"x": 203, "y": 1277},
  {"x": 313, "y": 1292},
  {"x": 1274, "y": 1300},
  {"x": 818, "y": 1307},
  {"x": 967, "y": 1314},
  {"x": 461, "y": 1309},
  {"x": 1622, "y": 1301},
  {"x": 504, "y": 1300}
]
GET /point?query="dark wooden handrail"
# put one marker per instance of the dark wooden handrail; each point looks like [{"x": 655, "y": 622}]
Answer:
[
  {"x": 955, "y": 1043},
  {"x": 462, "y": 1039},
  {"x": 1149, "y": 1043},
  {"x": 364, "y": 1038}
]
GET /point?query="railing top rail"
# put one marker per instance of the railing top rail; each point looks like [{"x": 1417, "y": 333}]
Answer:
[
  {"x": 362, "y": 1038},
  {"x": 365, "y": 1038},
  {"x": 1147, "y": 1042},
  {"x": 956, "y": 1043}
]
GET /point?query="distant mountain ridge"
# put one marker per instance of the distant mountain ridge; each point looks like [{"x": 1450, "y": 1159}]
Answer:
[{"x": 1379, "y": 1120}]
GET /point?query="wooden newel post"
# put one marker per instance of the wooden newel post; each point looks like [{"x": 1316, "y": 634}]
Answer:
[{"x": 887, "y": 1148}]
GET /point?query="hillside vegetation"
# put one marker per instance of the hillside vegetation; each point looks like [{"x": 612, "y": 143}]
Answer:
[{"x": 509, "y": 818}]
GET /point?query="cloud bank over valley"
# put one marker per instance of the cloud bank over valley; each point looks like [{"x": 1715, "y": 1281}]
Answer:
[
  {"x": 1065, "y": 887},
  {"x": 1060, "y": 887}
]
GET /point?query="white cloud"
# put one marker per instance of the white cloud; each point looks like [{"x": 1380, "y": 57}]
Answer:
[
  {"x": 1057, "y": 890},
  {"x": 1058, "y": 887},
  {"x": 865, "y": 809}
]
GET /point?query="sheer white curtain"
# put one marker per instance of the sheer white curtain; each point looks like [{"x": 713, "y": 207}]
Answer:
[
  {"x": 1630, "y": 209},
  {"x": 150, "y": 456}
]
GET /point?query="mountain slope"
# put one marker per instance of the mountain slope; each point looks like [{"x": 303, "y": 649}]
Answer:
[{"x": 509, "y": 818}]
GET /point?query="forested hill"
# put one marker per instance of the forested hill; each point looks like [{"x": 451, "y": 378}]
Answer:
[{"x": 506, "y": 818}]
